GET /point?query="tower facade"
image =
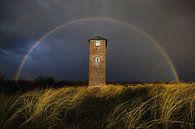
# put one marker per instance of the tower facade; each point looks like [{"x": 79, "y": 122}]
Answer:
[{"x": 97, "y": 61}]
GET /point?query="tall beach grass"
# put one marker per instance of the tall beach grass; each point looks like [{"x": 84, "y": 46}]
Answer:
[{"x": 145, "y": 106}]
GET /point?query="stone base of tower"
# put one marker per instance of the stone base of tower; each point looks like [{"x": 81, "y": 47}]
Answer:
[{"x": 96, "y": 84}]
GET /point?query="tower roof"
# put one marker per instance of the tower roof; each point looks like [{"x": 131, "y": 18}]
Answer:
[{"x": 98, "y": 38}]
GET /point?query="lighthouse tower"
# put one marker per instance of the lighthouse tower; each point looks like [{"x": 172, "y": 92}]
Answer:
[{"x": 97, "y": 61}]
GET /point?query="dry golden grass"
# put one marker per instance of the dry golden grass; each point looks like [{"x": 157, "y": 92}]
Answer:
[{"x": 144, "y": 106}]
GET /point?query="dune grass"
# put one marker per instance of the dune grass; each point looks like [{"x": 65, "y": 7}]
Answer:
[{"x": 145, "y": 106}]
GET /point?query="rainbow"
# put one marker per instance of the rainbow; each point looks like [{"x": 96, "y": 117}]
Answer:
[{"x": 50, "y": 32}]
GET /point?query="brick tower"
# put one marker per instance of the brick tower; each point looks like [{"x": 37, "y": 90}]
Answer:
[{"x": 97, "y": 61}]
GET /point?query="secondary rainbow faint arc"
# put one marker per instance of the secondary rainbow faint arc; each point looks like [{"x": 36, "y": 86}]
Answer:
[{"x": 174, "y": 72}]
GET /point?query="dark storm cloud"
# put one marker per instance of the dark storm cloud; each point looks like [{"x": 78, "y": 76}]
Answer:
[
  {"x": 12, "y": 42},
  {"x": 170, "y": 22}
]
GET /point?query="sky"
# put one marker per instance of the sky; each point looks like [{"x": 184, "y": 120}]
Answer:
[{"x": 135, "y": 30}]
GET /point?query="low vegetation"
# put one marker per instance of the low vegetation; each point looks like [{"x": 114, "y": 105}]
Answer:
[{"x": 141, "y": 106}]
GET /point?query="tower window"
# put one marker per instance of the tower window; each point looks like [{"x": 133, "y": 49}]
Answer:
[
  {"x": 97, "y": 60},
  {"x": 97, "y": 43}
]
